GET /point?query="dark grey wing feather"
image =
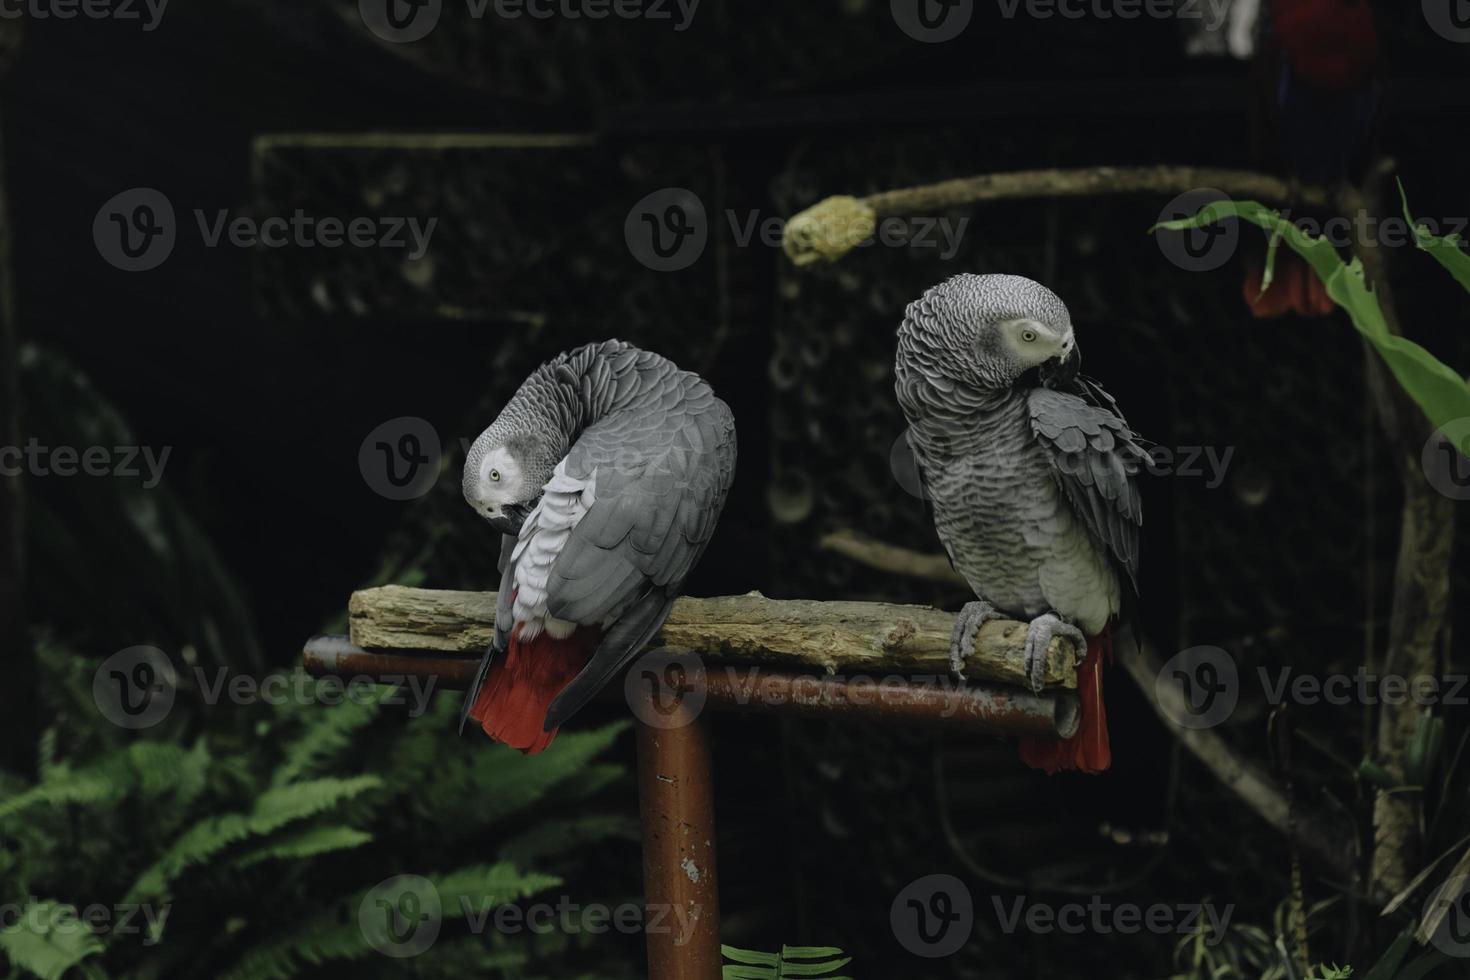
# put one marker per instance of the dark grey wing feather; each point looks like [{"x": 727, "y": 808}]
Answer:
[
  {"x": 621, "y": 644},
  {"x": 662, "y": 475},
  {"x": 1097, "y": 458},
  {"x": 504, "y": 619}
]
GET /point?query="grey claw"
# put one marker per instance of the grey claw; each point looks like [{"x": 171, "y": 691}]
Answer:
[
  {"x": 1038, "y": 637},
  {"x": 962, "y": 640}
]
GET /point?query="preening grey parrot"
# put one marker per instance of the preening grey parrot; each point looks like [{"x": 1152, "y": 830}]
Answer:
[
  {"x": 606, "y": 473},
  {"x": 1030, "y": 469}
]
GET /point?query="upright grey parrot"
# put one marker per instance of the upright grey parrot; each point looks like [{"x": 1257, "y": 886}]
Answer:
[
  {"x": 606, "y": 474},
  {"x": 1030, "y": 469}
]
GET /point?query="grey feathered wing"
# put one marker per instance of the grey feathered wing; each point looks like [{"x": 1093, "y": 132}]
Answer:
[
  {"x": 662, "y": 475},
  {"x": 1096, "y": 457}
]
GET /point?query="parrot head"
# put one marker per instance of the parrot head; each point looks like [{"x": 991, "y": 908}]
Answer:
[
  {"x": 994, "y": 330},
  {"x": 504, "y": 477}
]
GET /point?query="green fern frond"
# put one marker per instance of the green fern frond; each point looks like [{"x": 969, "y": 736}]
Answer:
[
  {"x": 792, "y": 961},
  {"x": 48, "y": 939},
  {"x": 488, "y": 886},
  {"x": 327, "y": 734},
  {"x": 483, "y": 787},
  {"x": 274, "y": 809},
  {"x": 337, "y": 934},
  {"x": 551, "y": 838},
  {"x": 468, "y": 956},
  {"x": 305, "y": 843},
  {"x": 150, "y": 769}
]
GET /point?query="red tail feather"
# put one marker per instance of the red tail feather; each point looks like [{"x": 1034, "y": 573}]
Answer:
[
  {"x": 1087, "y": 751},
  {"x": 521, "y": 685}
]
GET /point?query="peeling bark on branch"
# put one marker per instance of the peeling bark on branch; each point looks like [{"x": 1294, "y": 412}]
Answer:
[{"x": 838, "y": 637}]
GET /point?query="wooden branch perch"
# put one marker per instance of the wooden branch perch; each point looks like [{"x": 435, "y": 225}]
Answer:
[
  {"x": 891, "y": 558},
  {"x": 831, "y": 228},
  {"x": 868, "y": 638}
]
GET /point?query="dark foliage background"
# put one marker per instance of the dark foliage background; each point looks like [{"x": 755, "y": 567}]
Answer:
[{"x": 265, "y": 369}]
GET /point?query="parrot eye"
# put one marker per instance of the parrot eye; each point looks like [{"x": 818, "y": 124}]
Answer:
[
  {"x": 1028, "y": 335},
  {"x": 495, "y": 476}
]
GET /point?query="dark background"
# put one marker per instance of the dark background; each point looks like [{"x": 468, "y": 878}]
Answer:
[{"x": 264, "y": 371}]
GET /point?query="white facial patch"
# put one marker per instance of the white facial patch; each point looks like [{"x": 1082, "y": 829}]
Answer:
[
  {"x": 499, "y": 477},
  {"x": 1032, "y": 341}
]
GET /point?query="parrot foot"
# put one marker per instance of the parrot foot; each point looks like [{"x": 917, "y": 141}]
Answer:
[
  {"x": 1038, "y": 637},
  {"x": 962, "y": 640}
]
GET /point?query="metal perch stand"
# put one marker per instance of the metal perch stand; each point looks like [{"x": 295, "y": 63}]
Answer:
[{"x": 878, "y": 663}]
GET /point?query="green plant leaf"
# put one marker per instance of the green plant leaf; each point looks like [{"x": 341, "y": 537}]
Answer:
[
  {"x": 48, "y": 939},
  {"x": 1444, "y": 249},
  {"x": 792, "y": 961},
  {"x": 308, "y": 842},
  {"x": 1433, "y": 385},
  {"x": 275, "y": 808},
  {"x": 1388, "y": 964}
]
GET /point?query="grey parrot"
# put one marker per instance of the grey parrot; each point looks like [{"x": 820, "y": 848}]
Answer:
[
  {"x": 1031, "y": 472},
  {"x": 605, "y": 473}
]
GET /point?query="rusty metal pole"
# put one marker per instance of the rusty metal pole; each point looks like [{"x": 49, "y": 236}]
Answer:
[{"x": 680, "y": 884}]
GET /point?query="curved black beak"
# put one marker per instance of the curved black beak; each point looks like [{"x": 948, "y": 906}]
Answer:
[
  {"x": 511, "y": 519},
  {"x": 1062, "y": 371}
]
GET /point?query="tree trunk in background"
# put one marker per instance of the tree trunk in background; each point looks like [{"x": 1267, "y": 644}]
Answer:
[
  {"x": 1420, "y": 618},
  {"x": 18, "y": 729},
  {"x": 1418, "y": 624}
]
